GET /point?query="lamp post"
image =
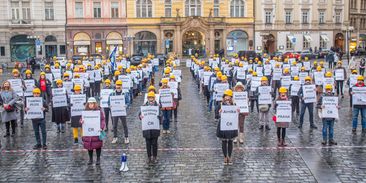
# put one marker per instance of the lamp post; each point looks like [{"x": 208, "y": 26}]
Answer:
[
  {"x": 347, "y": 30},
  {"x": 129, "y": 38}
]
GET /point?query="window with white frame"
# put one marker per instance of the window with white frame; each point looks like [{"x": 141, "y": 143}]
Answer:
[
  {"x": 321, "y": 16},
  {"x": 305, "y": 16},
  {"x": 114, "y": 9},
  {"x": 79, "y": 10},
  {"x": 268, "y": 16},
  {"x": 48, "y": 9},
  {"x": 288, "y": 16},
  {"x": 15, "y": 15},
  {"x": 216, "y": 8},
  {"x": 143, "y": 8},
  {"x": 168, "y": 8},
  {"x": 338, "y": 16},
  {"x": 237, "y": 8},
  {"x": 305, "y": 43},
  {"x": 26, "y": 11},
  {"x": 289, "y": 44},
  {"x": 322, "y": 43},
  {"x": 193, "y": 7},
  {"x": 20, "y": 12},
  {"x": 97, "y": 9}
]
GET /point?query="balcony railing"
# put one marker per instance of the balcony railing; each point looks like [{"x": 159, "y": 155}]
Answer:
[
  {"x": 20, "y": 22},
  {"x": 172, "y": 20}
]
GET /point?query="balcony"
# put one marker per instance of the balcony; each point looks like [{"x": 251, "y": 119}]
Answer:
[
  {"x": 20, "y": 23},
  {"x": 174, "y": 20},
  {"x": 96, "y": 21}
]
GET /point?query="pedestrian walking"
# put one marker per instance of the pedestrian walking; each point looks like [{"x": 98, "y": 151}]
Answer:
[
  {"x": 340, "y": 74},
  {"x": 8, "y": 98}
]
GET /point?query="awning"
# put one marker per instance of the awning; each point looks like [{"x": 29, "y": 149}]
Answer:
[
  {"x": 80, "y": 43},
  {"x": 307, "y": 38},
  {"x": 113, "y": 42},
  {"x": 325, "y": 38},
  {"x": 291, "y": 38}
]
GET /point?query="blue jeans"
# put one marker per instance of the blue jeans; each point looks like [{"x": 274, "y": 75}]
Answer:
[
  {"x": 166, "y": 119},
  {"x": 210, "y": 102},
  {"x": 328, "y": 124},
  {"x": 310, "y": 107},
  {"x": 40, "y": 124},
  {"x": 355, "y": 112}
]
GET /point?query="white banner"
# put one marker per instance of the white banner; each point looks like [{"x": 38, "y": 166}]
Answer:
[
  {"x": 295, "y": 87},
  {"x": 339, "y": 74},
  {"x": 359, "y": 96},
  {"x": 166, "y": 98},
  {"x": 17, "y": 86},
  {"x": 29, "y": 86},
  {"x": 254, "y": 83},
  {"x": 309, "y": 93},
  {"x": 286, "y": 81},
  {"x": 277, "y": 73},
  {"x": 34, "y": 105},
  {"x": 58, "y": 92},
  {"x": 78, "y": 104},
  {"x": 330, "y": 109},
  {"x": 283, "y": 111},
  {"x": 150, "y": 120},
  {"x": 188, "y": 63},
  {"x": 219, "y": 89},
  {"x": 264, "y": 89},
  {"x": 241, "y": 101},
  {"x": 59, "y": 101},
  {"x": 118, "y": 105},
  {"x": 318, "y": 78},
  {"x": 206, "y": 77},
  {"x": 91, "y": 124},
  {"x": 265, "y": 98},
  {"x": 104, "y": 94},
  {"x": 229, "y": 118}
]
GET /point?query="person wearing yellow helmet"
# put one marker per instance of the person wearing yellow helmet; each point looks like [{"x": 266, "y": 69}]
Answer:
[
  {"x": 104, "y": 96},
  {"x": 8, "y": 114},
  {"x": 75, "y": 118},
  {"x": 281, "y": 126},
  {"x": 264, "y": 108},
  {"x": 167, "y": 111},
  {"x": 356, "y": 108},
  {"x": 293, "y": 92},
  {"x": 340, "y": 74},
  {"x": 60, "y": 114},
  {"x": 328, "y": 123},
  {"x": 304, "y": 105},
  {"x": 119, "y": 92},
  {"x": 239, "y": 87},
  {"x": 98, "y": 76},
  {"x": 39, "y": 124},
  {"x": 226, "y": 136},
  {"x": 362, "y": 66},
  {"x": 30, "y": 83},
  {"x": 177, "y": 97}
]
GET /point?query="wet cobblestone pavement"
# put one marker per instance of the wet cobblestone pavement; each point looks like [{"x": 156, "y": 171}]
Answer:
[{"x": 191, "y": 153}]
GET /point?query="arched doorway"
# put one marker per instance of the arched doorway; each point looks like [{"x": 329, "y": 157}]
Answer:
[
  {"x": 81, "y": 44},
  {"x": 269, "y": 44},
  {"x": 144, "y": 43},
  {"x": 236, "y": 41},
  {"x": 114, "y": 39},
  {"x": 193, "y": 43},
  {"x": 339, "y": 41},
  {"x": 50, "y": 46},
  {"x": 22, "y": 48}
]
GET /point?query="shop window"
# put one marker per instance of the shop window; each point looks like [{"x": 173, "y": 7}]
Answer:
[
  {"x": 62, "y": 49},
  {"x": 2, "y": 50}
]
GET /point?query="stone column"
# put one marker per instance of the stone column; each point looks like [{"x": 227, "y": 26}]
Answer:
[{"x": 179, "y": 41}]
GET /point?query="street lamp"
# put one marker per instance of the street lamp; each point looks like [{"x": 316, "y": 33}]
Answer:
[{"x": 348, "y": 30}]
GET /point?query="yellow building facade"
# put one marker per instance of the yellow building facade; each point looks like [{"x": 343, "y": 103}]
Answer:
[{"x": 189, "y": 26}]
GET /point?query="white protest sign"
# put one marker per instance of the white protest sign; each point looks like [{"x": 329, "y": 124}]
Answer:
[
  {"x": 283, "y": 111},
  {"x": 302, "y": 76},
  {"x": 118, "y": 105},
  {"x": 166, "y": 98},
  {"x": 17, "y": 86},
  {"x": 295, "y": 87},
  {"x": 328, "y": 81},
  {"x": 229, "y": 118},
  {"x": 219, "y": 89},
  {"x": 58, "y": 91},
  {"x": 309, "y": 93},
  {"x": 29, "y": 85},
  {"x": 307, "y": 66},
  {"x": 265, "y": 98},
  {"x": 330, "y": 109},
  {"x": 353, "y": 80},
  {"x": 77, "y": 102},
  {"x": 264, "y": 89},
  {"x": 240, "y": 73},
  {"x": 319, "y": 78},
  {"x": 126, "y": 80},
  {"x": 241, "y": 100},
  {"x": 188, "y": 63},
  {"x": 286, "y": 81},
  {"x": 34, "y": 105},
  {"x": 206, "y": 77},
  {"x": 68, "y": 85},
  {"x": 91, "y": 123},
  {"x": 156, "y": 62},
  {"x": 173, "y": 84},
  {"x": 267, "y": 69},
  {"x": 104, "y": 94},
  {"x": 255, "y": 82},
  {"x": 59, "y": 101},
  {"x": 150, "y": 120},
  {"x": 359, "y": 96},
  {"x": 49, "y": 76},
  {"x": 277, "y": 73},
  {"x": 339, "y": 74}
]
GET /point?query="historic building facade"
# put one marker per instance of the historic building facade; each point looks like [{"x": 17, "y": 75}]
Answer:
[
  {"x": 296, "y": 25},
  {"x": 358, "y": 22},
  {"x": 190, "y": 26},
  {"x": 31, "y": 28}
]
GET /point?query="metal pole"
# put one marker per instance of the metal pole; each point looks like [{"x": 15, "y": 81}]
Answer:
[{"x": 347, "y": 49}]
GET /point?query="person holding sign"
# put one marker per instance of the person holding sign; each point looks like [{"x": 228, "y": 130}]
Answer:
[
  {"x": 282, "y": 124},
  {"x": 107, "y": 110},
  {"x": 340, "y": 76},
  {"x": 75, "y": 118},
  {"x": 264, "y": 108},
  {"x": 359, "y": 105},
  {"x": 60, "y": 114},
  {"x": 177, "y": 97},
  {"x": 19, "y": 90},
  {"x": 307, "y": 101},
  {"x": 45, "y": 85},
  {"x": 239, "y": 87},
  {"x": 328, "y": 121},
  {"x": 93, "y": 141},
  {"x": 8, "y": 98},
  {"x": 39, "y": 122},
  {"x": 151, "y": 126},
  {"x": 352, "y": 80},
  {"x": 227, "y": 128},
  {"x": 253, "y": 98},
  {"x": 166, "y": 99},
  {"x": 295, "y": 100},
  {"x": 116, "y": 117}
]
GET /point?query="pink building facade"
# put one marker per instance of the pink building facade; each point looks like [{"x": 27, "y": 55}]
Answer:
[{"x": 96, "y": 27}]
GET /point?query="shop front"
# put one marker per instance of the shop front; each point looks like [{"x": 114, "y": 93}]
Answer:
[
  {"x": 22, "y": 48},
  {"x": 145, "y": 42},
  {"x": 236, "y": 41},
  {"x": 114, "y": 39},
  {"x": 81, "y": 44}
]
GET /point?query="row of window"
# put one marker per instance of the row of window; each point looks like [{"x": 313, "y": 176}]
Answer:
[
  {"x": 353, "y": 4},
  {"x": 62, "y": 50},
  {"x": 305, "y": 16},
  {"x": 20, "y": 11},
  {"x": 305, "y": 44}
]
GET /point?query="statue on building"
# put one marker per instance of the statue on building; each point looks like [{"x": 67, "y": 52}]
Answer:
[{"x": 177, "y": 12}]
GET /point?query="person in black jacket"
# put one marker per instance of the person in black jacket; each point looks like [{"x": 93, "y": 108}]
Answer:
[
  {"x": 40, "y": 123},
  {"x": 151, "y": 136}
]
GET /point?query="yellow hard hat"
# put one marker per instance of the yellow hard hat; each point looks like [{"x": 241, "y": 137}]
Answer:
[
  {"x": 264, "y": 78},
  {"x": 77, "y": 88},
  {"x": 128, "y": 70},
  {"x": 36, "y": 90},
  {"x": 59, "y": 81},
  {"x": 294, "y": 63},
  {"x": 217, "y": 69},
  {"x": 167, "y": 70},
  {"x": 107, "y": 81},
  {"x": 354, "y": 71},
  {"x": 360, "y": 78},
  {"x": 319, "y": 68},
  {"x": 47, "y": 66},
  {"x": 328, "y": 87},
  {"x": 151, "y": 94},
  {"x": 296, "y": 78},
  {"x": 119, "y": 82},
  {"x": 164, "y": 80},
  {"x": 340, "y": 62},
  {"x": 241, "y": 64},
  {"x": 286, "y": 70},
  {"x": 321, "y": 62},
  {"x": 117, "y": 73},
  {"x": 307, "y": 78},
  {"x": 228, "y": 92},
  {"x": 151, "y": 88},
  {"x": 28, "y": 72},
  {"x": 42, "y": 73},
  {"x": 223, "y": 78},
  {"x": 282, "y": 90},
  {"x": 172, "y": 77},
  {"x": 66, "y": 74},
  {"x": 254, "y": 73},
  {"x": 119, "y": 67},
  {"x": 328, "y": 74},
  {"x": 68, "y": 65},
  {"x": 259, "y": 63},
  {"x": 315, "y": 62},
  {"x": 77, "y": 75},
  {"x": 302, "y": 68},
  {"x": 15, "y": 71},
  {"x": 219, "y": 74}
]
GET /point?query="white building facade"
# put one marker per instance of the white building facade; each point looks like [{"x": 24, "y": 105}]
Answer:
[
  {"x": 31, "y": 28},
  {"x": 297, "y": 25}
]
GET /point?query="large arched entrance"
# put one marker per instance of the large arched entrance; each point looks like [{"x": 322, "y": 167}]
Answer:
[
  {"x": 339, "y": 41},
  {"x": 193, "y": 43},
  {"x": 236, "y": 41},
  {"x": 81, "y": 44},
  {"x": 269, "y": 44},
  {"x": 114, "y": 39},
  {"x": 144, "y": 43},
  {"x": 50, "y": 46},
  {"x": 22, "y": 48}
]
